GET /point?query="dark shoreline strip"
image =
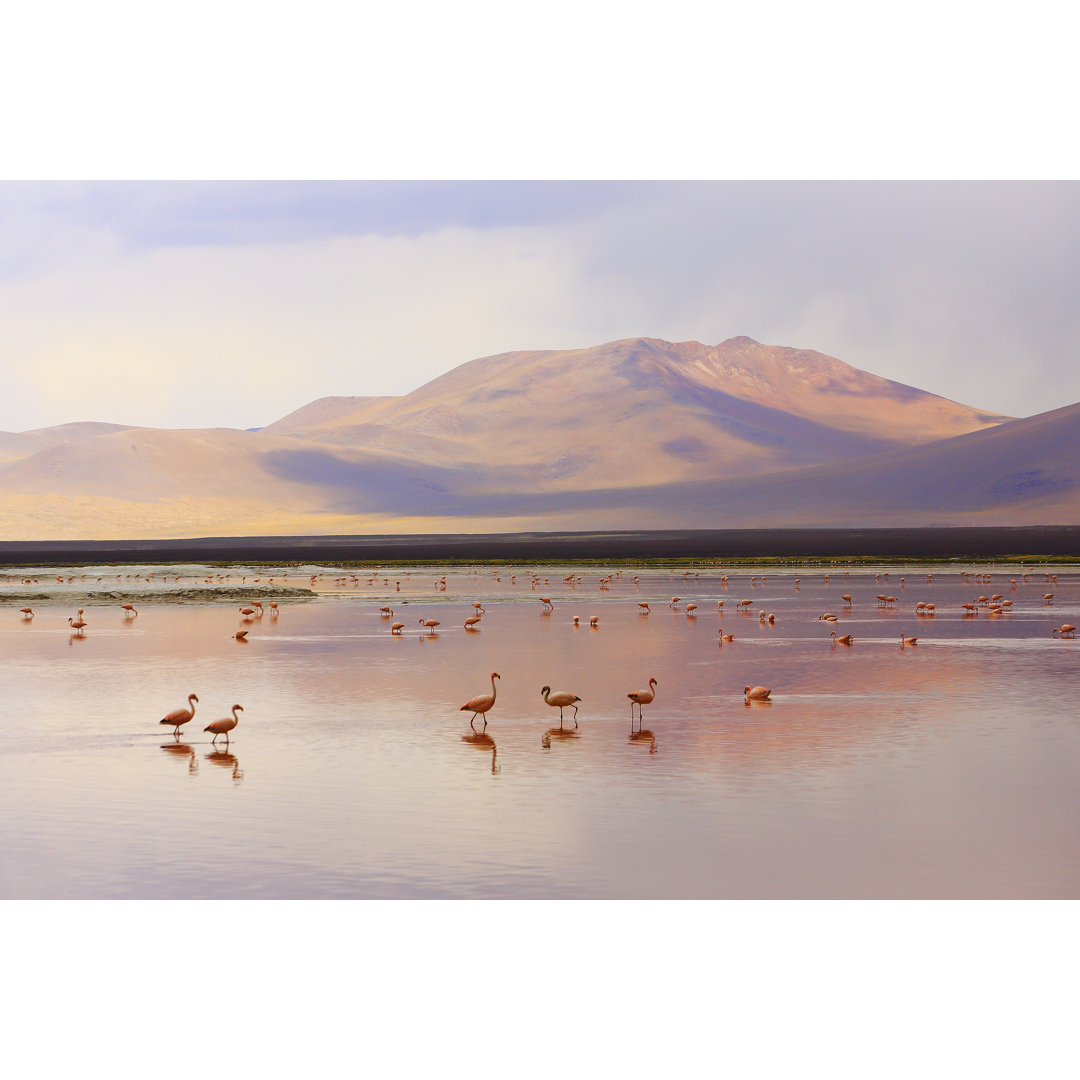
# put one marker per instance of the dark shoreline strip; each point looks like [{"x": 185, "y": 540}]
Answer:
[{"x": 989, "y": 542}]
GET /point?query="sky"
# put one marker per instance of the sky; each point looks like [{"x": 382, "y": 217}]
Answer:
[{"x": 231, "y": 303}]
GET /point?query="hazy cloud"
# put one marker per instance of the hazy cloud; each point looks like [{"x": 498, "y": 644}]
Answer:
[{"x": 232, "y": 303}]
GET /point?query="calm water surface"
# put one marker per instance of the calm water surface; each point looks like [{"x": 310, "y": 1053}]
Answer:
[{"x": 947, "y": 769}]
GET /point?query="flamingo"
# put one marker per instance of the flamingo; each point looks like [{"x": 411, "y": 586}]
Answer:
[
  {"x": 397, "y": 628},
  {"x": 563, "y": 699},
  {"x": 241, "y": 635},
  {"x": 594, "y": 621},
  {"x": 847, "y": 639},
  {"x": 1065, "y": 630},
  {"x": 548, "y": 605},
  {"x": 179, "y": 717},
  {"x": 756, "y": 693},
  {"x": 674, "y": 602},
  {"x": 386, "y": 612},
  {"x": 480, "y": 609},
  {"x": 725, "y": 637},
  {"x": 643, "y": 608},
  {"x": 480, "y": 705},
  {"x": 690, "y": 609},
  {"x": 273, "y": 610},
  {"x": 429, "y": 623},
  {"x": 129, "y": 611},
  {"x": 642, "y": 697},
  {"x": 247, "y": 613},
  {"x": 908, "y": 641},
  {"x": 77, "y": 624},
  {"x": 847, "y": 600},
  {"x": 27, "y": 613},
  {"x": 471, "y": 621},
  {"x": 224, "y": 726}
]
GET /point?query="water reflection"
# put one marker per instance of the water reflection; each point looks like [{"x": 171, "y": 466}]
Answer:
[
  {"x": 559, "y": 733},
  {"x": 644, "y": 736},
  {"x": 483, "y": 741},
  {"x": 226, "y": 761},
  {"x": 182, "y": 750}
]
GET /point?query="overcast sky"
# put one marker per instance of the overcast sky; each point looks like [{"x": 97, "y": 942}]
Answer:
[{"x": 230, "y": 304}]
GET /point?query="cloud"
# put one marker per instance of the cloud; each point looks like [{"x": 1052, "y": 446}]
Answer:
[{"x": 232, "y": 304}]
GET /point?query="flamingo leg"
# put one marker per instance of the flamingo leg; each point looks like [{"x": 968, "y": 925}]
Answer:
[{"x": 471, "y": 719}]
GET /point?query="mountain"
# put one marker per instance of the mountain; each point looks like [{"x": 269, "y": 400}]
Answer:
[
  {"x": 633, "y": 434},
  {"x": 642, "y": 411}
]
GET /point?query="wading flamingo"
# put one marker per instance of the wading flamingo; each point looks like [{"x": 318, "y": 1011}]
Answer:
[
  {"x": 178, "y": 717},
  {"x": 480, "y": 705},
  {"x": 224, "y": 726},
  {"x": 27, "y": 613},
  {"x": 560, "y": 700},
  {"x": 908, "y": 641},
  {"x": 429, "y": 623},
  {"x": 756, "y": 693},
  {"x": 129, "y": 611},
  {"x": 847, "y": 639},
  {"x": 1065, "y": 630},
  {"x": 241, "y": 635},
  {"x": 725, "y": 637},
  {"x": 77, "y": 624},
  {"x": 471, "y": 621},
  {"x": 642, "y": 697},
  {"x": 397, "y": 628}
]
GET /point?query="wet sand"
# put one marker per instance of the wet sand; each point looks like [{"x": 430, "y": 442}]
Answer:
[{"x": 1052, "y": 541}]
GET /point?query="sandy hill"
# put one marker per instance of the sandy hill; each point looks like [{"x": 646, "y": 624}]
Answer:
[
  {"x": 643, "y": 410},
  {"x": 640, "y": 433}
]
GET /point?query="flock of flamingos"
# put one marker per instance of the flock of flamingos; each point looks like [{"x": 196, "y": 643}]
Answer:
[{"x": 992, "y": 605}]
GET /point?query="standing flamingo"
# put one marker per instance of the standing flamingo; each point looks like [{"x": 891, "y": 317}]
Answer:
[
  {"x": 480, "y": 705},
  {"x": 560, "y": 700},
  {"x": 1065, "y": 630},
  {"x": 129, "y": 611},
  {"x": 27, "y": 613},
  {"x": 77, "y": 624},
  {"x": 223, "y": 727},
  {"x": 429, "y": 623},
  {"x": 179, "y": 717},
  {"x": 642, "y": 697}
]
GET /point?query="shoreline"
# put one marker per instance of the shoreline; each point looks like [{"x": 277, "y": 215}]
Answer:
[{"x": 1035, "y": 543}]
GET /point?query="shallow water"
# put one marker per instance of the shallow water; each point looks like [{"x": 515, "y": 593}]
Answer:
[{"x": 945, "y": 769}]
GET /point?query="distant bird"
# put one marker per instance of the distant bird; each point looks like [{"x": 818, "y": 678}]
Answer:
[
  {"x": 756, "y": 693},
  {"x": 273, "y": 610},
  {"x": 674, "y": 602},
  {"x": 846, "y": 599},
  {"x": 744, "y": 604},
  {"x": 725, "y": 637},
  {"x": 77, "y": 625},
  {"x": 241, "y": 635},
  {"x": 1065, "y": 630},
  {"x": 27, "y": 613},
  {"x": 548, "y": 605},
  {"x": 594, "y": 621},
  {"x": 846, "y": 639},
  {"x": 429, "y": 623},
  {"x": 386, "y": 612},
  {"x": 642, "y": 697},
  {"x": 179, "y": 717},
  {"x": 560, "y": 700},
  {"x": 643, "y": 608},
  {"x": 247, "y": 613},
  {"x": 471, "y": 621},
  {"x": 480, "y": 609},
  {"x": 690, "y": 609},
  {"x": 129, "y": 611},
  {"x": 908, "y": 641},
  {"x": 576, "y": 619},
  {"x": 223, "y": 727},
  {"x": 479, "y": 706},
  {"x": 719, "y": 605},
  {"x": 397, "y": 628}
]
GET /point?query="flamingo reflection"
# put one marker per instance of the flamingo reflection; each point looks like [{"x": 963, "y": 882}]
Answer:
[
  {"x": 644, "y": 735},
  {"x": 180, "y": 749},
  {"x": 484, "y": 741},
  {"x": 558, "y": 733},
  {"x": 226, "y": 761}
]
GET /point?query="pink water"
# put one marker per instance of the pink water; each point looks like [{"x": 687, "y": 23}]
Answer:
[{"x": 946, "y": 769}]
